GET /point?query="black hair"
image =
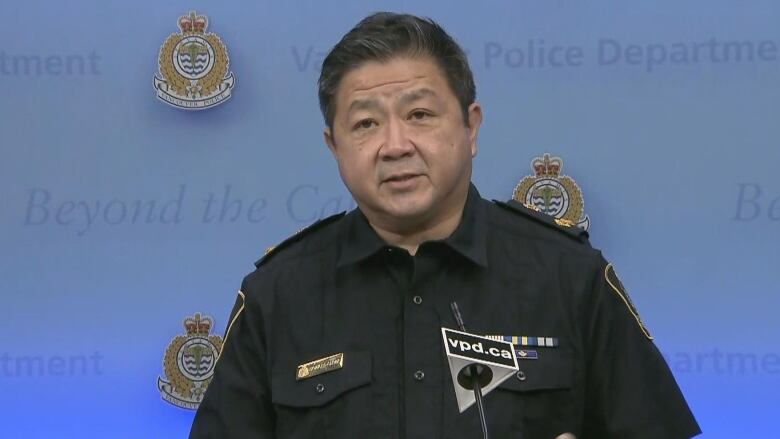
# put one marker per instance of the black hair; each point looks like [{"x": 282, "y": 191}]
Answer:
[{"x": 385, "y": 35}]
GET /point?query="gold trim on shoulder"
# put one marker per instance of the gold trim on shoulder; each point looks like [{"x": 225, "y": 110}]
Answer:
[
  {"x": 233, "y": 320},
  {"x": 532, "y": 207},
  {"x": 564, "y": 222},
  {"x": 620, "y": 290}
]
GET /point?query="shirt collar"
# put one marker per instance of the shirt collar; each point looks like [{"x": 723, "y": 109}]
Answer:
[
  {"x": 359, "y": 240},
  {"x": 470, "y": 238}
]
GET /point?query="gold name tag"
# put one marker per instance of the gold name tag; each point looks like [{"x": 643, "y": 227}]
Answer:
[{"x": 320, "y": 366}]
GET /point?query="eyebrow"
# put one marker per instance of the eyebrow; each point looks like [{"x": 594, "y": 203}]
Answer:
[
  {"x": 416, "y": 95},
  {"x": 363, "y": 104},
  {"x": 405, "y": 99}
]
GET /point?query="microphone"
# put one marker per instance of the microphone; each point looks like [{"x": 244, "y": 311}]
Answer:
[{"x": 477, "y": 365}]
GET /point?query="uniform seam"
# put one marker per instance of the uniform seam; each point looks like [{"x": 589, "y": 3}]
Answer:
[
  {"x": 577, "y": 247},
  {"x": 230, "y": 326}
]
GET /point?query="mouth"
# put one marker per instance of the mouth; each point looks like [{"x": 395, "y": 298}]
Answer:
[{"x": 400, "y": 178}]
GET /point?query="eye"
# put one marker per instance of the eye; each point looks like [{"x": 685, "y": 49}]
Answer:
[
  {"x": 419, "y": 115},
  {"x": 364, "y": 124}
]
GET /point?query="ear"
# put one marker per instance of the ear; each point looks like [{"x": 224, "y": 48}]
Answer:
[
  {"x": 327, "y": 134},
  {"x": 475, "y": 120}
]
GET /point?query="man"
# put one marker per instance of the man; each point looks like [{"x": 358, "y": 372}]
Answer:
[{"x": 337, "y": 332}]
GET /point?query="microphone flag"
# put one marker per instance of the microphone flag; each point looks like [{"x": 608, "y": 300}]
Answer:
[{"x": 495, "y": 360}]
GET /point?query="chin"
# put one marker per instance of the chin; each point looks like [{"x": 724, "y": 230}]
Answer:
[
  {"x": 417, "y": 209},
  {"x": 407, "y": 207}
]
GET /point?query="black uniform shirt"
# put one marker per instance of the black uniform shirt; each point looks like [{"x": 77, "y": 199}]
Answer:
[{"x": 338, "y": 288}]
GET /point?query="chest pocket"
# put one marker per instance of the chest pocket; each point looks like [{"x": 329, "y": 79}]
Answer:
[
  {"x": 552, "y": 370},
  {"x": 328, "y": 405},
  {"x": 542, "y": 389},
  {"x": 527, "y": 405}
]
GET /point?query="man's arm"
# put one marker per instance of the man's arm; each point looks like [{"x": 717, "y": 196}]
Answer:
[
  {"x": 631, "y": 392},
  {"x": 237, "y": 402}
]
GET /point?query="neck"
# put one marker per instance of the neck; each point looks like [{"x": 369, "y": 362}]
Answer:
[{"x": 440, "y": 227}]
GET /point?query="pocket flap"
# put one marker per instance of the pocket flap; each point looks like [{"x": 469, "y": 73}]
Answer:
[
  {"x": 321, "y": 389},
  {"x": 552, "y": 370}
]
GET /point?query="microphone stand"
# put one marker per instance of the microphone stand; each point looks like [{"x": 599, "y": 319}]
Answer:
[{"x": 475, "y": 372}]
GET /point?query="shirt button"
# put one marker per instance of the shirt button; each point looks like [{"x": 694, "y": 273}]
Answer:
[
  {"x": 319, "y": 388},
  {"x": 520, "y": 375},
  {"x": 419, "y": 375},
  {"x": 417, "y": 300}
]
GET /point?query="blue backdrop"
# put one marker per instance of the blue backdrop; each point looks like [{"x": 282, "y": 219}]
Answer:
[{"x": 666, "y": 114}]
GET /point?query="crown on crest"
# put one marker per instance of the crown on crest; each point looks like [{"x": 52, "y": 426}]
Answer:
[
  {"x": 197, "y": 325},
  {"x": 193, "y": 23},
  {"x": 547, "y": 166}
]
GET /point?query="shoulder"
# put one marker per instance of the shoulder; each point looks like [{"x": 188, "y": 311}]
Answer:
[
  {"x": 294, "y": 262},
  {"x": 315, "y": 238},
  {"x": 513, "y": 218}
]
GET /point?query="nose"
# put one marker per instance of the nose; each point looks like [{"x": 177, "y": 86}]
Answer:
[{"x": 397, "y": 143}]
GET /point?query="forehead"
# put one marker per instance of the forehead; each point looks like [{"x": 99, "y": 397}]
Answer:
[{"x": 389, "y": 78}]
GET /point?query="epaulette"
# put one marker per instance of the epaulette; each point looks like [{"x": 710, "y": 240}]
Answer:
[
  {"x": 271, "y": 251},
  {"x": 562, "y": 225}
]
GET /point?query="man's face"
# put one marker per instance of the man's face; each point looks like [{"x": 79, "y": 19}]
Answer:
[{"x": 401, "y": 143}]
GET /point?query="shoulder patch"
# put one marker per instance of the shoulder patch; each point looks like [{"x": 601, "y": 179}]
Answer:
[
  {"x": 566, "y": 227},
  {"x": 271, "y": 251},
  {"x": 617, "y": 286}
]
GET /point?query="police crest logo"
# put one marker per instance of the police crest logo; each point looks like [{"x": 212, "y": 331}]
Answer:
[
  {"x": 194, "y": 67},
  {"x": 189, "y": 363},
  {"x": 549, "y": 192}
]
